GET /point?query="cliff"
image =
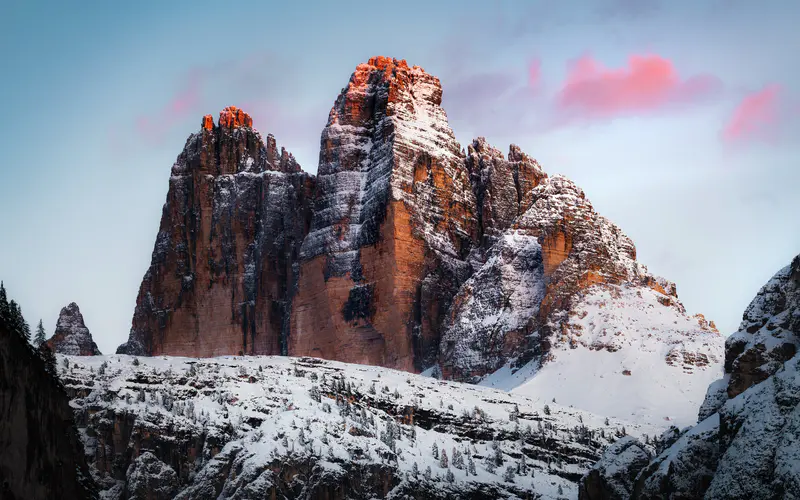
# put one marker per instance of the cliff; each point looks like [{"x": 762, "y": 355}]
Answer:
[
  {"x": 221, "y": 277},
  {"x": 41, "y": 455}
]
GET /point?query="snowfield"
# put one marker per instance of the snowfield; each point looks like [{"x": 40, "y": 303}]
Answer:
[
  {"x": 231, "y": 427},
  {"x": 627, "y": 356}
]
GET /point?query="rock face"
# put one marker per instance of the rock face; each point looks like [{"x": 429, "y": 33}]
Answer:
[
  {"x": 222, "y": 277},
  {"x": 526, "y": 297},
  {"x": 41, "y": 455},
  {"x": 769, "y": 334},
  {"x": 614, "y": 475},
  {"x": 405, "y": 251},
  {"x": 71, "y": 335},
  {"x": 748, "y": 443},
  {"x": 394, "y": 219}
]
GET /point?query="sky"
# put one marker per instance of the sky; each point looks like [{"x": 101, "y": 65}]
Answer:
[{"x": 679, "y": 119}]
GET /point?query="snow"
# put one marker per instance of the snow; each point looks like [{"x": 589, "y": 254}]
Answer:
[
  {"x": 624, "y": 329},
  {"x": 267, "y": 398}
]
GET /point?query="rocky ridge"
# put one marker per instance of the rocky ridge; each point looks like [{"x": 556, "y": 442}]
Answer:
[
  {"x": 746, "y": 445},
  {"x": 71, "y": 335},
  {"x": 261, "y": 426}
]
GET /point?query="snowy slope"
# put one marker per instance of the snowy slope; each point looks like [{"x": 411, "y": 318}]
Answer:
[
  {"x": 627, "y": 355},
  {"x": 245, "y": 427}
]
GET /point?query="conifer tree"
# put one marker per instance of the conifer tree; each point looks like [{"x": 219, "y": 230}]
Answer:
[
  {"x": 443, "y": 459},
  {"x": 3, "y": 306},
  {"x": 39, "y": 339}
]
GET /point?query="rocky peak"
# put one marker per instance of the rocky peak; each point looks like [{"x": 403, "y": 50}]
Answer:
[
  {"x": 71, "y": 335},
  {"x": 502, "y": 187},
  {"x": 233, "y": 117},
  {"x": 393, "y": 222},
  {"x": 768, "y": 336},
  {"x": 235, "y": 216}
]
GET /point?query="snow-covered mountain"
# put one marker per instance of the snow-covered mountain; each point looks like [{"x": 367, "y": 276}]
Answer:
[
  {"x": 255, "y": 426},
  {"x": 408, "y": 252},
  {"x": 747, "y": 444}
]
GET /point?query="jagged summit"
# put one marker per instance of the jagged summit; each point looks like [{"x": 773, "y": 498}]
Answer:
[
  {"x": 71, "y": 336},
  {"x": 406, "y": 251},
  {"x": 230, "y": 117}
]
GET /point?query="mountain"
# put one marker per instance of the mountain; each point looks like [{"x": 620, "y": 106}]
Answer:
[
  {"x": 71, "y": 335},
  {"x": 222, "y": 272},
  {"x": 407, "y": 252},
  {"x": 747, "y": 444},
  {"x": 279, "y": 427},
  {"x": 42, "y": 455}
]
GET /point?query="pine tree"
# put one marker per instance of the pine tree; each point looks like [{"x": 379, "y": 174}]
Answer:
[
  {"x": 415, "y": 470},
  {"x": 428, "y": 473},
  {"x": 546, "y": 410},
  {"x": 443, "y": 459},
  {"x": 471, "y": 466},
  {"x": 435, "y": 450},
  {"x": 39, "y": 339},
  {"x": 508, "y": 476},
  {"x": 3, "y": 306},
  {"x": 449, "y": 476}
]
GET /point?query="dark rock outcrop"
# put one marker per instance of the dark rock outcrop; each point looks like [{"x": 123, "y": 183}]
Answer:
[
  {"x": 71, "y": 336},
  {"x": 222, "y": 277},
  {"x": 41, "y": 455}
]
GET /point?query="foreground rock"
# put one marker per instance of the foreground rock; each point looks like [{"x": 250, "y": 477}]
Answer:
[
  {"x": 748, "y": 443},
  {"x": 279, "y": 427},
  {"x": 71, "y": 335},
  {"x": 41, "y": 455}
]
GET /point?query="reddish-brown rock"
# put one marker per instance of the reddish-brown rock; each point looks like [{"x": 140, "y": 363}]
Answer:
[
  {"x": 232, "y": 117},
  {"x": 221, "y": 277},
  {"x": 394, "y": 220}
]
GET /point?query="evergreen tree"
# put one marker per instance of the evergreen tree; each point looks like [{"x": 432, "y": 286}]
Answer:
[
  {"x": 508, "y": 476},
  {"x": 471, "y": 466},
  {"x": 3, "y": 306},
  {"x": 13, "y": 314},
  {"x": 415, "y": 470},
  {"x": 435, "y": 450},
  {"x": 443, "y": 459},
  {"x": 39, "y": 339}
]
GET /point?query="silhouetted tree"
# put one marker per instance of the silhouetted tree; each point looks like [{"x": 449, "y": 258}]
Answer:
[{"x": 39, "y": 339}]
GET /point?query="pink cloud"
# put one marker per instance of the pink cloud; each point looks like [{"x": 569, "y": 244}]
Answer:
[
  {"x": 649, "y": 83},
  {"x": 534, "y": 72},
  {"x": 756, "y": 117},
  {"x": 185, "y": 102}
]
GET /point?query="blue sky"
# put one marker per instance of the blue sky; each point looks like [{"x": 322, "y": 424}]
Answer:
[{"x": 99, "y": 97}]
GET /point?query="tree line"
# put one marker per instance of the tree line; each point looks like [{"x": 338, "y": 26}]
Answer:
[{"x": 13, "y": 322}]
